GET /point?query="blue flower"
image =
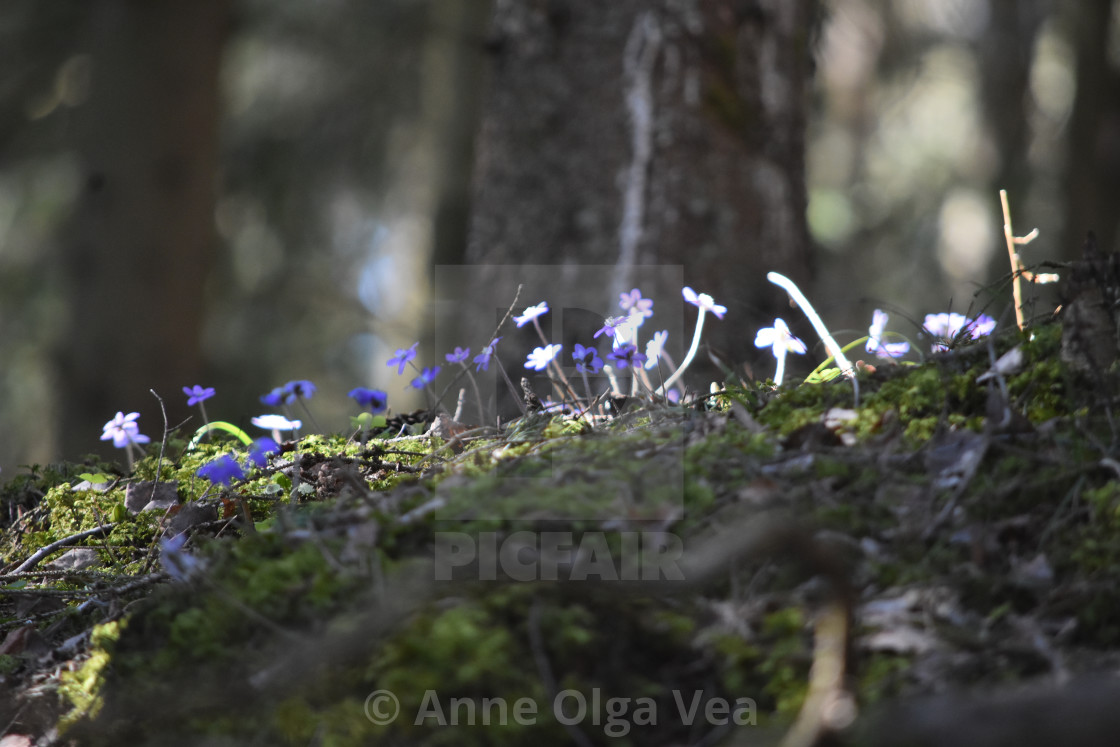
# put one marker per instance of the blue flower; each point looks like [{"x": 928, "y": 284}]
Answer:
[
  {"x": 613, "y": 325},
  {"x": 531, "y": 313},
  {"x": 261, "y": 448},
  {"x": 124, "y": 430},
  {"x": 587, "y": 359},
  {"x": 403, "y": 356},
  {"x": 375, "y": 399},
  {"x": 222, "y": 471},
  {"x": 635, "y": 304},
  {"x": 275, "y": 397},
  {"x": 483, "y": 358},
  {"x": 460, "y": 355},
  {"x": 626, "y": 356},
  {"x": 427, "y": 376},
  {"x": 299, "y": 388},
  {"x": 703, "y": 301},
  {"x": 197, "y": 394},
  {"x": 539, "y": 359},
  {"x": 875, "y": 342}
]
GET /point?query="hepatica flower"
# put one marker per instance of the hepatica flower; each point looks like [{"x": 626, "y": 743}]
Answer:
[
  {"x": 274, "y": 398},
  {"x": 402, "y": 358},
  {"x": 124, "y": 431},
  {"x": 948, "y": 327},
  {"x": 875, "y": 342},
  {"x": 539, "y": 359},
  {"x": 222, "y": 471},
  {"x": 427, "y": 376},
  {"x": 587, "y": 359},
  {"x": 482, "y": 360},
  {"x": 781, "y": 342},
  {"x": 621, "y": 327},
  {"x": 197, "y": 394},
  {"x": 703, "y": 301},
  {"x": 531, "y": 313},
  {"x": 458, "y": 356},
  {"x": 300, "y": 388},
  {"x": 626, "y": 356},
  {"x": 276, "y": 423},
  {"x": 375, "y": 399},
  {"x": 633, "y": 303},
  {"x": 655, "y": 346}
]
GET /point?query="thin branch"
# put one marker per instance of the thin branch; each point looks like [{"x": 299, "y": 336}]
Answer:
[{"x": 73, "y": 539}]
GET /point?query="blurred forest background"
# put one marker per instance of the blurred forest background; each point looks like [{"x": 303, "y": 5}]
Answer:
[{"x": 237, "y": 193}]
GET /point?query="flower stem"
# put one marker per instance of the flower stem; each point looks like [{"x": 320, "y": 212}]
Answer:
[
  {"x": 807, "y": 308},
  {"x": 689, "y": 356},
  {"x": 781, "y": 369}
]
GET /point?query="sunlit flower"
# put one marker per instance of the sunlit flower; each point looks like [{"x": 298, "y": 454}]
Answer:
[
  {"x": 531, "y": 313},
  {"x": 276, "y": 423},
  {"x": 124, "y": 430},
  {"x": 539, "y": 359},
  {"x": 779, "y": 339},
  {"x": 875, "y": 342},
  {"x": 703, "y": 301},
  {"x": 948, "y": 326},
  {"x": 655, "y": 346},
  {"x": 403, "y": 356},
  {"x": 781, "y": 342}
]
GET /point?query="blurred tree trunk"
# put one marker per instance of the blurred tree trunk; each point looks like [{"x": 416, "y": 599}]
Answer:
[
  {"x": 137, "y": 252},
  {"x": 632, "y": 133},
  {"x": 1093, "y": 166}
]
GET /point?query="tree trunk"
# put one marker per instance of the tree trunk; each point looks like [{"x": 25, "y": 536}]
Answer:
[
  {"x": 634, "y": 133},
  {"x": 138, "y": 250},
  {"x": 1093, "y": 164}
]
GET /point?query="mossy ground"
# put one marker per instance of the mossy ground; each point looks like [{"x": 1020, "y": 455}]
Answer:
[{"x": 977, "y": 523}]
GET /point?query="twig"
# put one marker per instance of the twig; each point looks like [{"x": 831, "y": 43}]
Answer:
[
  {"x": 43, "y": 552},
  {"x": 1018, "y": 272}
]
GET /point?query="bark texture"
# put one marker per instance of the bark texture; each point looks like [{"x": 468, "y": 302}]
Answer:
[
  {"x": 136, "y": 256},
  {"x": 635, "y": 133}
]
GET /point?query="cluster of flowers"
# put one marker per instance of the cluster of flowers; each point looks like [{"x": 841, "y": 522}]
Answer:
[
  {"x": 622, "y": 332},
  {"x": 944, "y": 327}
]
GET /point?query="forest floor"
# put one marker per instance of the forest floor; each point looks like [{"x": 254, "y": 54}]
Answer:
[{"x": 937, "y": 564}]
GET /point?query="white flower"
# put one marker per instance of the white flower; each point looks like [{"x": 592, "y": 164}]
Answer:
[
  {"x": 655, "y": 346},
  {"x": 703, "y": 301},
  {"x": 539, "y": 359},
  {"x": 531, "y": 313},
  {"x": 276, "y": 423},
  {"x": 779, "y": 339}
]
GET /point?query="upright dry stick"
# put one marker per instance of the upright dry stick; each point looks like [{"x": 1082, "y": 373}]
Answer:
[{"x": 1017, "y": 271}]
